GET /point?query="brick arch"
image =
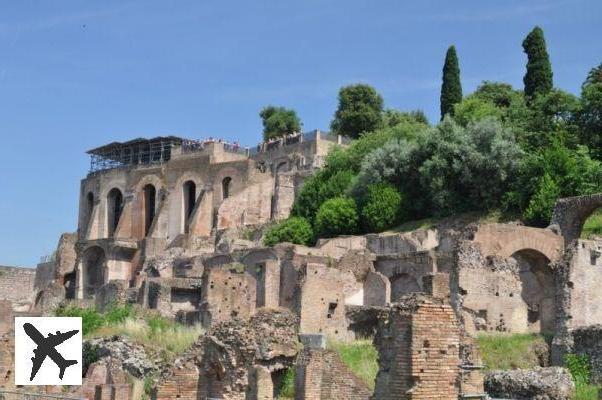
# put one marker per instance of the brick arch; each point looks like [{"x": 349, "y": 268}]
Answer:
[
  {"x": 570, "y": 213},
  {"x": 504, "y": 240}
]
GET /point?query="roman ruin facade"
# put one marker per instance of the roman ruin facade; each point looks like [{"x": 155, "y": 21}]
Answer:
[{"x": 175, "y": 226}]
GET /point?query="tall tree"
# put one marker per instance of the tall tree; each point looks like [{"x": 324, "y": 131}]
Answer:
[
  {"x": 360, "y": 110},
  {"x": 538, "y": 79},
  {"x": 451, "y": 88},
  {"x": 279, "y": 121}
]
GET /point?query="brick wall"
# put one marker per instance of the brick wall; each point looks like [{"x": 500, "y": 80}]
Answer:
[
  {"x": 419, "y": 351},
  {"x": 182, "y": 384},
  {"x": 16, "y": 284},
  {"x": 322, "y": 375},
  {"x": 226, "y": 294}
]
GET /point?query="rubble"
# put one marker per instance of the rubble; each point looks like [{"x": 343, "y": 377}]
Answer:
[{"x": 553, "y": 383}]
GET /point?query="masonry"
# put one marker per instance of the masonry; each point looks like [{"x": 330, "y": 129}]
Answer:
[{"x": 17, "y": 286}]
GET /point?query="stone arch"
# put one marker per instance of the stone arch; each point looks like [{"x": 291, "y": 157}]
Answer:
[
  {"x": 402, "y": 284},
  {"x": 538, "y": 289},
  {"x": 504, "y": 240},
  {"x": 570, "y": 214},
  {"x": 115, "y": 203},
  {"x": 93, "y": 271}
]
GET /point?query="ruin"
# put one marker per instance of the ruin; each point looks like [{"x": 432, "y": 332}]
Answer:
[{"x": 175, "y": 226}]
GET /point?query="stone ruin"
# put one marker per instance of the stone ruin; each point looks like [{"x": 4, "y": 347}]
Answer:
[{"x": 175, "y": 226}]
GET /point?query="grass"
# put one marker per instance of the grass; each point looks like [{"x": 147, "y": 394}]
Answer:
[
  {"x": 505, "y": 351},
  {"x": 360, "y": 357},
  {"x": 154, "y": 332},
  {"x": 586, "y": 392},
  {"x": 592, "y": 226},
  {"x": 286, "y": 390}
]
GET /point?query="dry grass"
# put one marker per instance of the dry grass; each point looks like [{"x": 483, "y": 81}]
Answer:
[{"x": 155, "y": 333}]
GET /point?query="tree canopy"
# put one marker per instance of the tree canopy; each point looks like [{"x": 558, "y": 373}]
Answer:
[
  {"x": 360, "y": 110},
  {"x": 279, "y": 121}
]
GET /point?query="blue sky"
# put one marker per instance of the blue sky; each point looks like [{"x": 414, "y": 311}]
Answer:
[{"x": 77, "y": 74}]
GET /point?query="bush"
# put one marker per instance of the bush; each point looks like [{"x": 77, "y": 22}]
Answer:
[
  {"x": 337, "y": 216},
  {"x": 91, "y": 319},
  {"x": 541, "y": 205},
  {"x": 382, "y": 208},
  {"x": 578, "y": 366},
  {"x": 293, "y": 230}
]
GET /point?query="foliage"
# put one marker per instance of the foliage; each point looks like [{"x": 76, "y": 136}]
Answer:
[
  {"x": 90, "y": 354},
  {"x": 451, "y": 88},
  {"x": 590, "y": 117},
  {"x": 293, "y": 230},
  {"x": 279, "y": 121},
  {"x": 382, "y": 208},
  {"x": 360, "y": 110},
  {"x": 592, "y": 225},
  {"x": 337, "y": 216},
  {"x": 594, "y": 76},
  {"x": 511, "y": 351},
  {"x": 449, "y": 169},
  {"x": 323, "y": 186},
  {"x": 91, "y": 319},
  {"x": 473, "y": 109},
  {"x": 586, "y": 392},
  {"x": 552, "y": 171},
  {"x": 538, "y": 79},
  {"x": 393, "y": 118},
  {"x": 360, "y": 357},
  {"x": 578, "y": 366},
  {"x": 286, "y": 387}
]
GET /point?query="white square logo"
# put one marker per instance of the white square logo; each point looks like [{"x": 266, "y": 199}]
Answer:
[{"x": 48, "y": 351}]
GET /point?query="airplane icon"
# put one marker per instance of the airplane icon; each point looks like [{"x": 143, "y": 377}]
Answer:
[{"x": 46, "y": 348}]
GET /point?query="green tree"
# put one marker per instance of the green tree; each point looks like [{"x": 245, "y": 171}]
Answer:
[
  {"x": 538, "y": 79},
  {"x": 337, "y": 216},
  {"x": 382, "y": 208},
  {"x": 392, "y": 118},
  {"x": 451, "y": 88},
  {"x": 590, "y": 118},
  {"x": 279, "y": 121},
  {"x": 360, "y": 110},
  {"x": 594, "y": 76},
  {"x": 292, "y": 230},
  {"x": 472, "y": 109}
]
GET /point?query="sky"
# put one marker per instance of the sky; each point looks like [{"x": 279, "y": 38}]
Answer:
[{"x": 78, "y": 74}]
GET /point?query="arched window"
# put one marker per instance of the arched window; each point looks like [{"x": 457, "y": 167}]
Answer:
[
  {"x": 89, "y": 208},
  {"x": 226, "y": 187},
  {"x": 189, "y": 197},
  {"x": 114, "y": 208},
  {"x": 150, "y": 196}
]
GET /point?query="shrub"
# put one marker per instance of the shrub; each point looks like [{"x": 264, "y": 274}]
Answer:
[
  {"x": 382, "y": 208},
  {"x": 541, "y": 205},
  {"x": 91, "y": 319},
  {"x": 337, "y": 216},
  {"x": 578, "y": 366},
  {"x": 294, "y": 230}
]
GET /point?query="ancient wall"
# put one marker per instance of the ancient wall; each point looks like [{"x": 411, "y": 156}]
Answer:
[
  {"x": 588, "y": 341},
  {"x": 405, "y": 271},
  {"x": 17, "y": 285},
  {"x": 321, "y": 375},
  {"x": 227, "y": 293},
  {"x": 419, "y": 351}
]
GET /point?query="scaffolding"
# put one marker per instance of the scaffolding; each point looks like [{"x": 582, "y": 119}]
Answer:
[{"x": 133, "y": 153}]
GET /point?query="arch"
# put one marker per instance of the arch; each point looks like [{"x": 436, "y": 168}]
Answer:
[
  {"x": 189, "y": 197},
  {"x": 149, "y": 194},
  {"x": 114, "y": 209},
  {"x": 403, "y": 284},
  {"x": 226, "y": 182},
  {"x": 570, "y": 214},
  {"x": 69, "y": 283},
  {"x": 538, "y": 289},
  {"x": 94, "y": 264},
  {"x": 504, "y": 240}
]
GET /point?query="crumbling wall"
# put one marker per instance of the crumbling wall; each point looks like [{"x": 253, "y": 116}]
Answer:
[
  {"x": 17, "y": 285},
  {"x": 235, "y": 360},
  {"x": 418, "y": 342},
  {"x": 588, "y": 341}
]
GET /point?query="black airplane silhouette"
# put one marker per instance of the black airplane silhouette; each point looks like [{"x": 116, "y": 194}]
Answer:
[{"x": 46, "y": 347}]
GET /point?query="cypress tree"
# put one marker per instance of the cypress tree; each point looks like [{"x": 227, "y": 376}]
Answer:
[
  {"x": 451, "y": 88},
  {"x": 538, "y": 79}
]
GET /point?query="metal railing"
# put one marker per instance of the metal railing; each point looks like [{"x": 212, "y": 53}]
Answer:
[{"x": 14, "y": 395}]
